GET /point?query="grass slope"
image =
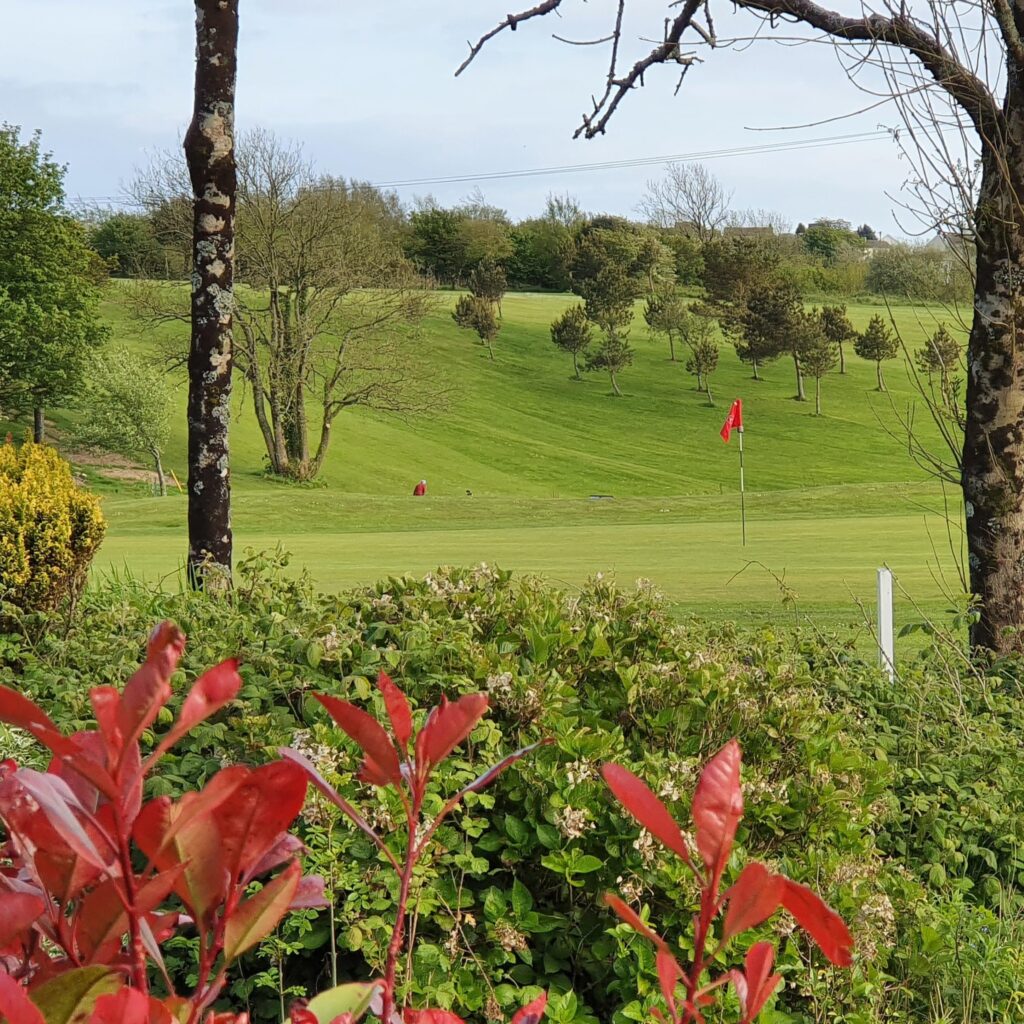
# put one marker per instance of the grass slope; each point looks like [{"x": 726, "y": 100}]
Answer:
[{"x": 829, "y": 498}]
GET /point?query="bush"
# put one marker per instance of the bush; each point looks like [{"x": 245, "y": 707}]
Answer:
[
  {"x": 909, "y": 822},
  {"x": 50, "y": 528}
]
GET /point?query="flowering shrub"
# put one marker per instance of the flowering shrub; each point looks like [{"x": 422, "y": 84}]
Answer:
[{"x": 50, "y": 528}]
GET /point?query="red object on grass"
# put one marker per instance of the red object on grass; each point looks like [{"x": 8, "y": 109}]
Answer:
[{"x": 734, "y": 421}]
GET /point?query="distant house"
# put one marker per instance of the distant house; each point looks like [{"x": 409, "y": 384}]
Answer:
[
  {"x": 873, "y": 246},
  {"x": 759, "y": 232}
]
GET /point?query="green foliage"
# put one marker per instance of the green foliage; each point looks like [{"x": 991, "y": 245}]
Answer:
[
  {"x": 829, "y": 241},
  {"x": 571, "y": 333},
  {"x": 877, "y": 343},
  {"x": 476, "y": 314},
  {"x": 910, "y": 823},
  {"x": 128, "y": 244},
  {"x": 940, "y": 355},
  {"x": 49, "y": 529},
  {"x": 128, "y": 405},
  {"x": 771, "y": 322},
  {"x": 702, "y": 363},
  {"x": 488, "y": 281},
  {"x": 49, "y": 282}
]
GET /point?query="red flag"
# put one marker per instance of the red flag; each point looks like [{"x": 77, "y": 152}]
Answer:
[{"x": 734, "y": 421}]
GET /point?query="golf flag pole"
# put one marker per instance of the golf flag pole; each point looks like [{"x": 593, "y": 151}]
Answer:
[{"x": 734, "y": 421}]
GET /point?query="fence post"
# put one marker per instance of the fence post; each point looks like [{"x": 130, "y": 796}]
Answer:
[{"x": 886, "y": 647}]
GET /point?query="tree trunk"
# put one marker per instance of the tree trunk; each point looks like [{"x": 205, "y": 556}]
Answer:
[
  {"x": 576, "y": 366},
  {"x": 615, "y": 384},
  {"x": 671, "y": 348},
  {"x": 210, "y": 153},
  {"x": 800, "y": 394},
  {"x": 878, "y": 368},
  {"x": 707, "y": 390},
  {"x": 993, "y": 453},
  {"x": 817, "y": 396},
  {"x": 842, "y": 359},
  {"x": 700, "y": 381},
  {"x": 161, "y": 482},
  {"x": 38, "y": 425},
  {"x": 490, "y": 351},
  {"x": 753, "y": 362}
]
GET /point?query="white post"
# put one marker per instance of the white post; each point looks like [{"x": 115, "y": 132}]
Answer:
[{"x": 886, "y": 648}]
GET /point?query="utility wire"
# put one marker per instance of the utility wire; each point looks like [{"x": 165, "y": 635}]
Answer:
[{"x": 788, "y": 146}]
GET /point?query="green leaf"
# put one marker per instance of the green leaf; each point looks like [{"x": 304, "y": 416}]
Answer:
[
  {"x": 585, "y": 864},
  {"x": 353, "y": 998},
  {"x": 314, "y": 654},
  {"x": 600, "y": 648},
  {"x": 522, "y": 901},
  {"x": 70, "y": 997}
]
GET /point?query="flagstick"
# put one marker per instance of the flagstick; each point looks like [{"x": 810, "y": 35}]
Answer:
[{"x": 743, "y": 506}]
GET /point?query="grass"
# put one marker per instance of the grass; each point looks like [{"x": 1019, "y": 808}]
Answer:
[{"x": 829, "y": 499}]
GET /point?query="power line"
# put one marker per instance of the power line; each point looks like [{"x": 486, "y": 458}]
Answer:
[{"x": 788, "y": 146}]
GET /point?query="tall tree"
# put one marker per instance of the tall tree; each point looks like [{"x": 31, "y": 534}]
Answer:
[
  {"x": 571, "y": 333},
  {"x": 818, "y": 352},
  {"x": 877, "y": 344},
  {"x": 608, "y": 299},
  {"x": 210, "y": 154},
  {"x": 49, "y": 284},
  {"x": 703, "y": 362},
  {"x": 666, "y": 312},
  {"x": 837, "y": 327},
  {"x": 946, "y": 66},
  {"x": 939, "y": 356},
  {"x": 771, "y": 326},
  {"x": 489, "y": 281},
  {"x": 128, "y": 405},
  {"x": 689, "y": 199}
]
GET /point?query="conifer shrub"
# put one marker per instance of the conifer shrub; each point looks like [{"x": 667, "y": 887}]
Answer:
[{"x": 50, "y": 528}]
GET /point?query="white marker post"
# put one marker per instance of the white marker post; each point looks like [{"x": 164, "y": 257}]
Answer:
[
  {"x": 886, "y": 646},
  {"x": 743, "y": 502}
]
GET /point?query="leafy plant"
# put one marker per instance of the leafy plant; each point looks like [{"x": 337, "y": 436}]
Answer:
[
  {"x": 97, "y": 879},
  {"x": 755, "y": 896}
]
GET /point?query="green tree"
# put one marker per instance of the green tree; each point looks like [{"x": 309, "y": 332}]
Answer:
[
  {"x": 49, "y": 284},
  {"x": 613, "y": 355},
  {"x": 128, "y": 243},
  {"x": 666, "y": 312},
  {"x": 436, "y": 244},
  {"x": 703, "y": 362},
  {"x": 608, "y": 299},
  {"x": 877, "y": 344},
  {"x": 827, "y": 240},
  {"x": 488, "y": 281},
  {"x": 939, "y": 356},
  {"x": 837, "y": 327},
  {"x": 129, "y": 406},
  {"x": 733, "y": 268},
  {"x": 476, "y": 314},
  {"x": 571, "y": 333},
  {"x": 818, "y": 352},
  {"x": 771, "y": 326}
]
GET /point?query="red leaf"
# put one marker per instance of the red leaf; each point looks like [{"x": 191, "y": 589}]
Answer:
[
  {"x": 209, "y": 693},
  {"x": 255, "y": 918},
  {"x": 310, "y": 894},
  {"x": 430, "y": 1017},
  {"x": 754, "y": 897},
  {"x": 15, "y": 1005},
  {"x": 21, "y": 712},
  {"x": 381, "y": 765},
  {"x": 483, "y": 780},
  {"x": 669, "y": 975},
  {"x": 637, "y": 798},
  {"x": 632, "y": 919},
  {"x": 755, "y": 985},
  {"x": 822, "y": 923},
  {"x": 718, "y": 808},
  {"x": 18, "y": 912},
  {"x": 149, "y": 689},
  {"x": 105, "y": 701},
  {"x": 447, "y": 726},
  {"x": 398, "y": 709},
  {"x": 129, "y": 1006},
  {"x": 531, "y": 1013}
]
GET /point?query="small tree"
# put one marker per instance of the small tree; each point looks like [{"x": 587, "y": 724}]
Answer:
[
  {"x": 571, "y": 333},
  {"x": 666, "y": 312},
  {"x": 613, "y": 354},
  {"x": 129, "y": 407},
  {"x": 477, "y": 314},
  {"x": 837, "y": 327},
  {"x": 939, "y": 356},
  {"x": 489, "y": 281},
  {"x": 702, "y": 363},
  {"x": 818, "y": 353},
  {"x": 876, "y": 344}
]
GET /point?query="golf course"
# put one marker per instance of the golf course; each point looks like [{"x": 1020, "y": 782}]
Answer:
[{"x": 534, "y": 471}]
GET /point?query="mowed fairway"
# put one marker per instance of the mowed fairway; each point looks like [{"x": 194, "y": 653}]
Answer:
[{"x": 829, "y": 499}]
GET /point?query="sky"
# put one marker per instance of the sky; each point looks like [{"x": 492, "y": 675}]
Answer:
[{"x": 367, "y": 87}]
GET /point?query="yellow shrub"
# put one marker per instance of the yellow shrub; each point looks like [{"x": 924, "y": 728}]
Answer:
[{"x": 49, "y": 528}]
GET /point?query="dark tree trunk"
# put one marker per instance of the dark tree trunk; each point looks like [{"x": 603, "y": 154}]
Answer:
[
  {"x": 615, "y": 384},
  {"x": 210, "y": 153},
  {"x": 576, "y": 366},
  {"x": 842, "y": 359},
  {"x": 161, "y": 480},
  {"x": 671, "y": 347},
  {"x": 817, "y": 396},
  {"x": 993, "y": 454},
  {"x": 38, "y": 425},
  {"x": 881, "y": 382},
  {"x": 800, "y": 394},
  {"x": 753, "y": 363}
]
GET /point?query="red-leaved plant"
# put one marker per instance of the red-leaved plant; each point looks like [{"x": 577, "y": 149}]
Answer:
[
  {"x": 93, "y": 880},
  {"x": 755, "y": 896},
  {"x": 404, "y": 760}
]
